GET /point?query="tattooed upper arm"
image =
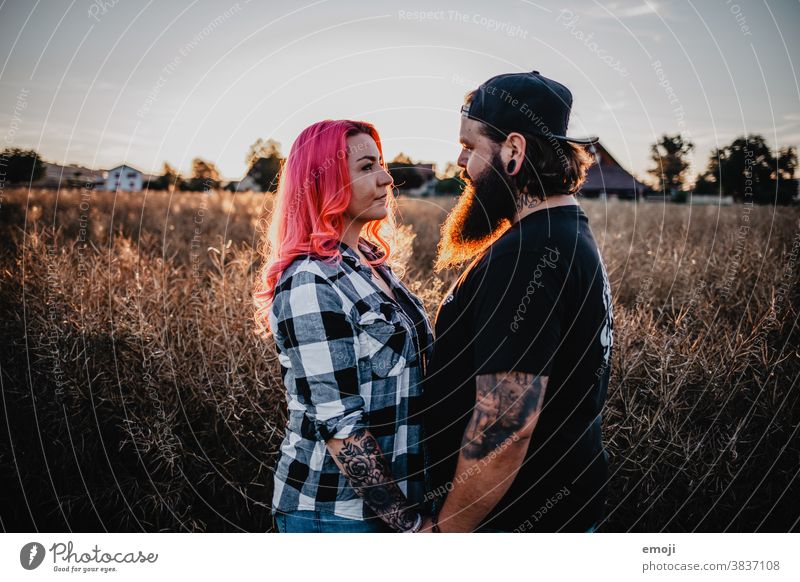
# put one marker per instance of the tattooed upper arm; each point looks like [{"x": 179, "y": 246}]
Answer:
[{"x": 506, "y": 404}]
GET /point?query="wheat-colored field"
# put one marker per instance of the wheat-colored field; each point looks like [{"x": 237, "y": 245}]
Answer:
[{"x": 137, "y": 397}]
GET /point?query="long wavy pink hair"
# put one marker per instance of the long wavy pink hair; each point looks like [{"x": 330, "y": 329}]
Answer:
[{"x": 308, "y": 214}]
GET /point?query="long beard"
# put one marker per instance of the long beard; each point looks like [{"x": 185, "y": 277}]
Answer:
[{"x": 483, "y": 212}]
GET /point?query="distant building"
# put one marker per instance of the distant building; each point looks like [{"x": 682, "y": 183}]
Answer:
[
  {"x": 124, "y": 178},
  {"x": 428, "y": 173},
  {"x": 58, "y": 176},
  {"x": 248, "y": 183},
  {"x": 608, "y": 178}
]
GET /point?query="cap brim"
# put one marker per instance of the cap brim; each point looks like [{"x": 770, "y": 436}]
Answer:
[{"x": 581, "y": 140}]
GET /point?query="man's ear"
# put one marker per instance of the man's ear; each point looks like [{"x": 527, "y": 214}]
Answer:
[{"x": 515, "y": 152}]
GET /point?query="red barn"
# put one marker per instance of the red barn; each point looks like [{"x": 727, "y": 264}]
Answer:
[{"x": 607, "y": 177}]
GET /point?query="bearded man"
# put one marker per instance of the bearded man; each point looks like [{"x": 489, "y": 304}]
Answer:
[{"x": 521, "y": 360}]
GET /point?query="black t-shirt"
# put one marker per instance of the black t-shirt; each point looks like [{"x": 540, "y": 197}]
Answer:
[{"x": 537, "y": 301}]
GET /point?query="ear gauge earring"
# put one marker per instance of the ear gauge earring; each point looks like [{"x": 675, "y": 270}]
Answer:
[{"x": 512, "y": 165}]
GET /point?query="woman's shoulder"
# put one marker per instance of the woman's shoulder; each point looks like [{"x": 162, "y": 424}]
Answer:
[
  {"x": 310, "y": 281},
  {"x": 308, "y": 268}
]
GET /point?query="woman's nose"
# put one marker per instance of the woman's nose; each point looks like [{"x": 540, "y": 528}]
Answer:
[{"x": 385, "y": 178}]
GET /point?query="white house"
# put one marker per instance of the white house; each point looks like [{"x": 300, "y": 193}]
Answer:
[{"x": 124, "y": 178}]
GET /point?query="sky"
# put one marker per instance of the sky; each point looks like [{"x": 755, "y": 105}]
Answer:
[{"x": 101, "y": 82}]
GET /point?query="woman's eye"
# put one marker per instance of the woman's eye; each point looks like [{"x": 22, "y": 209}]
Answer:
[{"x": 367, "y": 168}]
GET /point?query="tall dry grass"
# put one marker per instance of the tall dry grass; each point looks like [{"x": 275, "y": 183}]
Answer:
[{"x": 136, "y": 396}]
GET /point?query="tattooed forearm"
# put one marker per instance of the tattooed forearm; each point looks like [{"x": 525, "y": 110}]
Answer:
[
  {"x": 362, "y": 463},
  {"x": 505, "y": 404}
]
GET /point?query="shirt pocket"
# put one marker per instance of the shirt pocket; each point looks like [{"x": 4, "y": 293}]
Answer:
[{"x": 383, "y": 344}]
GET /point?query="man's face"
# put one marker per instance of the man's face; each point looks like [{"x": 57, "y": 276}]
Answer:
[
  {"x": 487, "y": 205},
  {"x": 477, "y": 150}
]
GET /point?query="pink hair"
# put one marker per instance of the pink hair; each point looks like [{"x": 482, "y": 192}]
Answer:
[{"x": 308, "y": 215}]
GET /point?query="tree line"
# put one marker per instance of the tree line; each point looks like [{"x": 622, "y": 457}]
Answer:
[{"x": 746, "y": 169}]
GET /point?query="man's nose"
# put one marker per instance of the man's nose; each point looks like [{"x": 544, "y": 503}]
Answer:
[{"x": 462, "y": 160}]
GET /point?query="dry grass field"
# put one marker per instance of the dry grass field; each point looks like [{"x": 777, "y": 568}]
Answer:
[{"x": 136, "y": 397}]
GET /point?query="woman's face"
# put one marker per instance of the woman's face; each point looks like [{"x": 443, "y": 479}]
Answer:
[{"x": 369, "y": 180}]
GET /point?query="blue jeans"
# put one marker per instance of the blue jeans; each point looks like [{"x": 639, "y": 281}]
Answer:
[
  {"x": 592, "y": 529},
  {"x": 323, "y": 522}
]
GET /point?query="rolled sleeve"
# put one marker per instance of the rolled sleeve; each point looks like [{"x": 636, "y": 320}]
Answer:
[{"x": 319, "y": 344}]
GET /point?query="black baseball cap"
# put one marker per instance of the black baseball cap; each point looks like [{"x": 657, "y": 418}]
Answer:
[{"x": 528, "y": 103}]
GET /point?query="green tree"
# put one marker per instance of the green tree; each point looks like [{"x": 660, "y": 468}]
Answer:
[
  {"x": 264, "y": 163},
  {"x": 748, "y": 170},
  {"x": 786, "y": 187},
  {"x": 452, "y": 185},
  {"x": 704, "y": 184},
  {"x": 170, "y": 179},
  {"x": 17, "y": 165},
  {"x": 670, "y": 156},
  {"x": 205, "y": 176}
]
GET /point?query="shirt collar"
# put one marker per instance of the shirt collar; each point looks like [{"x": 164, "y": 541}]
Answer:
[{"x": 369, "y": 249}]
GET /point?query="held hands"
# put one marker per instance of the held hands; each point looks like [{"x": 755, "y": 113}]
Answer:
[{"x": 427, "y": 525}]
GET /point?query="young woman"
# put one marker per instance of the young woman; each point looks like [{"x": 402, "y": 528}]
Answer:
[{"x": 351, "y": 339}]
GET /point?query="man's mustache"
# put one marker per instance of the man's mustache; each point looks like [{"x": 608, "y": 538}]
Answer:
[{"x": 464, "y": 176}]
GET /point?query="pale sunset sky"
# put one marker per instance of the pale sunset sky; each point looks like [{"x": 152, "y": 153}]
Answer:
[{"x": 99, "y": 82}]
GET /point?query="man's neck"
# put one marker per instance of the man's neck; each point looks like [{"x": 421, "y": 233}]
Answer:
[{"x": 552, "y": 201}]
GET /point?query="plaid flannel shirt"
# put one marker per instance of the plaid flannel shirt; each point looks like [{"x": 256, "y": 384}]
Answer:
[{"x": 348, "y": 361}]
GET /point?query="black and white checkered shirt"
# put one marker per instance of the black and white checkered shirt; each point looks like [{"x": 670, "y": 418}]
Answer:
[{"x": 348, "y": 360}]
